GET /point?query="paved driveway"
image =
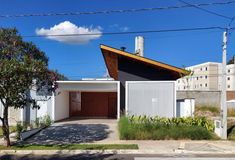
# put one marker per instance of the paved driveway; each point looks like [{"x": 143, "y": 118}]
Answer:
[{"x": 77, "y": 131}]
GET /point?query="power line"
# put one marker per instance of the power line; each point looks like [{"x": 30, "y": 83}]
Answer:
[
  {"x": 128, "y": 32},
  {"x": 205, "y": 10},
  {"x": 116, "y": 11}
]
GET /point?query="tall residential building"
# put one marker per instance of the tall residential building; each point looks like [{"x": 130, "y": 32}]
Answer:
[{"x": 207, "y": 76}]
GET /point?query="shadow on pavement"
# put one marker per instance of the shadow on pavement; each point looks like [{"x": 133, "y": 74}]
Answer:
[
  {"x": 57, "y": 157},
  {"x": 70, "y": 133}
]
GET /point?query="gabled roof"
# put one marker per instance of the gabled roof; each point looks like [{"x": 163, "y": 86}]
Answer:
[{"x": 111, "y": 55}]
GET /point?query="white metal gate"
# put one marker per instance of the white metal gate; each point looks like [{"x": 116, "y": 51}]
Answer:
[{"x": 151, "y": 98}]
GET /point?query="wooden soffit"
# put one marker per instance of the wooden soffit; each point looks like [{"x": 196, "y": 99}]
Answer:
[{"x": 111, "y": 60}]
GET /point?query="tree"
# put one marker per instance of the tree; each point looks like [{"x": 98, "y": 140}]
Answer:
[
  {"x": 22, "y": 65},
  {"x": 232, "y": 60},
  {"x": 59, "y": 76}
]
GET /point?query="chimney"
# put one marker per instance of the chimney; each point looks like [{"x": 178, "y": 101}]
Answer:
[{"x": 139, "y": 46}]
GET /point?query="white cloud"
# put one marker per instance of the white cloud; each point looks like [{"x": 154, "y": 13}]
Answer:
[
  {"x": 124, "y": 29},
  {"x": 121, "y": 28},
  {"x": 65, "y": 28}
]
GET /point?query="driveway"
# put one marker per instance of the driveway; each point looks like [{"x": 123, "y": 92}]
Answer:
[{"x": 77, "y": 131}]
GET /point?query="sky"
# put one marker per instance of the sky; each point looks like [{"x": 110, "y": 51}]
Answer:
[{"x": 80, "y": 57}]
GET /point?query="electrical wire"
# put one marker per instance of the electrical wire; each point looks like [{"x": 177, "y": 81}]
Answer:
[
  {"x": 118, "y": 11},
  {"x": 205, "y": 10},
  {"x": 128, "y": 32}
]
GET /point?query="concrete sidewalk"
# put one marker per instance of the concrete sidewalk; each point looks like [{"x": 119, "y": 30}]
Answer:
[
  {"x": 181, "y": 146},
  {"x": 169, "y": 147}
]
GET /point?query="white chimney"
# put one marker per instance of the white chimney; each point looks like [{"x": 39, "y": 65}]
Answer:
[{"x": 139, "y": 46}]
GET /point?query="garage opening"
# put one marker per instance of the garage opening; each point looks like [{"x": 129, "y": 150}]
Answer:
[
  {"x": 86, "y": 99},
  {"x": 93, "y": 104}
]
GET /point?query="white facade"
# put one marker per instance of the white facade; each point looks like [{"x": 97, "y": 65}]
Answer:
[
  {"x": 151, "y": 98},
  {"x": 60, "y": 107},
  {"x": 207, "y": 77},
  {"x": 231, "y": 77}
]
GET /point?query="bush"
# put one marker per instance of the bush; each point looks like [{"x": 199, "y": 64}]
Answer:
[
  {"x": 207, "y": 110},
  {"x": 156, "y": 128},
  {"x": 46, "y": 120},
  {"x": 231, "y": 112}
]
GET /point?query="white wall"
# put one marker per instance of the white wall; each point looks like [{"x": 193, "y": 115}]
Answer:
[
  {"x": 61, "y": 110},
  {"x": 98, "y": 86},
  {"x": 151, "y": 98},
  {"x": 43, "y": 108}
]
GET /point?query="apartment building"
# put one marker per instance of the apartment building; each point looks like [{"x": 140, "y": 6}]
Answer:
[
  {"x": 207, "y": 76},
  {"x": 230, "y": 77}
]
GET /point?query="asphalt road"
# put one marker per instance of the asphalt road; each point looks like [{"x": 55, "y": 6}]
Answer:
[{"x": 116, "y": 157}]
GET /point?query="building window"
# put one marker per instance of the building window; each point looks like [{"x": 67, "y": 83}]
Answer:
[
  {"x": 197, "y": 78},
  {"x": 201, "y": 77},
  {"x": 184, "y": 87},
  {"x": 206, "y": 68},
  {"x": 205, "y": 84},
  {"x": 178, "y": 81},
  {"x": 205, "y": 77},
  {"x": 228, "y": 78},
  {"x": 200, "y": 85},
  {"x": 201, "y": 69},
  {"x": 228, "y": 86},
  {"x": 228, "y": 70}
]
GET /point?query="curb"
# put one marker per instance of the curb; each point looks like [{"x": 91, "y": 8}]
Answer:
[{"x": 172, "y": 152}]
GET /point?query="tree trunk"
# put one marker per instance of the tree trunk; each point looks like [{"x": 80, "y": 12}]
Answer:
[{"x": 5, "y": 127}]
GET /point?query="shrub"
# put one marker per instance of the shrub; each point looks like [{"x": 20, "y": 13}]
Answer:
[
  {"x": 156, "y": 128},
  {"x": 19, "y": 129},
  {"x": 207, "y": 110},
  {"x": 231, "y": 112},
  {"x": 47, "y": 120}
]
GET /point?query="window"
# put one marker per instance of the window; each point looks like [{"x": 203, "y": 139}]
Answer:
[
  {"x": 228, "y": 78},
  {"x": 228, "y": 70},
  {"x": 178, "y": 81},
  {"x": 206, "y": 68},
  {"x": 200, "y": 85},
  {"x": 201, "y": 77},
  {"x": 205, "y": 84},
  {"x": 201, "y": 69},
  {"x": 205, "y": 77},
  {"x": 197, "y": 78},
  {"x": 228, "y": 86}
]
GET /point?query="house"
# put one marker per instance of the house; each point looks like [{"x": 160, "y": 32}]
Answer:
[
  {"x": 28, "y": 114},
  {"x": 137, "y": 84},
  {"x": 106, "y": 98}
]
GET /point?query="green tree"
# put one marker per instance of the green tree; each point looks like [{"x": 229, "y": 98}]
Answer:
[
  {"x": 59, "y": 76},
  {"x": 22, "y": 65},
  {"x": 231, "y": 61}
]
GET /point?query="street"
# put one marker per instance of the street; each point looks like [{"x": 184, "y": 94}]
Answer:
[{"x": 120, "y": 157}]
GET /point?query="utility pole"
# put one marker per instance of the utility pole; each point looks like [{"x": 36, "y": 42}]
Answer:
[{"x": 223, "y": 90}]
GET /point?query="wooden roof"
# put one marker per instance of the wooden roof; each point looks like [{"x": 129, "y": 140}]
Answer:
[{"x": 111, "y": 60}]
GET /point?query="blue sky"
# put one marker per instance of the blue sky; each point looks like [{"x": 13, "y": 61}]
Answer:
[{"x": 85, "y": 60}]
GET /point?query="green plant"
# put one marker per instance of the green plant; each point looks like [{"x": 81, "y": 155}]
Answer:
[
  {"x": 231, "y": 112},
  {"x": 207, "y": 110},
  {"x": 47, "y": 120},
  {"x": 19, "y": 129},
  {"x": 143, "y": 128}
]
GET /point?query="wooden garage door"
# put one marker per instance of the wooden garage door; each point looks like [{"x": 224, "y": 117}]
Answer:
[{"x": 99, "y": 104}]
